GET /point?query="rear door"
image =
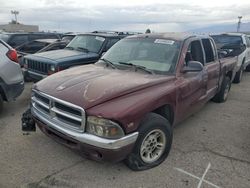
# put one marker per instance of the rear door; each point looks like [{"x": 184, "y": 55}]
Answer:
[{"x": 212, "y": 66}]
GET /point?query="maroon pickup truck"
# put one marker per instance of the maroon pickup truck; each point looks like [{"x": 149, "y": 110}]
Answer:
[{"x": 124, "y": 106}]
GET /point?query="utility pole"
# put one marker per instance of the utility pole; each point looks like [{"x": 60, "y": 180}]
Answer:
[
  {"x": 15, "y": 12},
  {"x": 239, "y": 22}
]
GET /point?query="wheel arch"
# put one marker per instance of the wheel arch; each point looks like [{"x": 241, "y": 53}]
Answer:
[
  {"x": 229, "y": 74},
  {"x": 2, "y": 93},
  {"x": 166, "y": 111}
]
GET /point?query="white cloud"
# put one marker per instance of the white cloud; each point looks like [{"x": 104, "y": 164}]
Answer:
[{"x": 134, "y": 15}]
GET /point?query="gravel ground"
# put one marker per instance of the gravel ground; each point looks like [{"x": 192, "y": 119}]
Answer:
[{"x": 214, "y": 143}]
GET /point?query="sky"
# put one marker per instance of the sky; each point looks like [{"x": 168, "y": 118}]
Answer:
[{"x": 127, "y": 15}]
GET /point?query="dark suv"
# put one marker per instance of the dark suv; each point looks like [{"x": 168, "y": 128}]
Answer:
[
  {"x": 16, "y": 39},
  {"x": 84, "y": 49}
]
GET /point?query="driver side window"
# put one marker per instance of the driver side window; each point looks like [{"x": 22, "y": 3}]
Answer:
[{"x": 194, "y": 52}]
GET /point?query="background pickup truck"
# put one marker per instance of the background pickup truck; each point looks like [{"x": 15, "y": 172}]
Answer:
[
  {"x": 235, "y": 44},
  {"x": 83, "y": 49},
  {"x": 125, "y": 105}
]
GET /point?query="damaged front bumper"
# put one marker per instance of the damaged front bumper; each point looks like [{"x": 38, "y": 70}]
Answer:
[{"x": 90, "y": 146}]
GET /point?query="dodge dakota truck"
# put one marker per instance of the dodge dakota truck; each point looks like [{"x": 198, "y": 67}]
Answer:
[
  {"x": 84, "y": 49},
  {"x": 124, "y": 106}
]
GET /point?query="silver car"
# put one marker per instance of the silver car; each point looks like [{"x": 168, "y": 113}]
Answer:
[{"x": 11, "y": 77}]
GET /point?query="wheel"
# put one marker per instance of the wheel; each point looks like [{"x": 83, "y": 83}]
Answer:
[
  {"x": 248, "y": 68},
  {"x": 153, "y": 143},
  {"x": 238, "y": 76},
  {"x": 224, "y": 90},
  {"x": 1, "y": 103}
]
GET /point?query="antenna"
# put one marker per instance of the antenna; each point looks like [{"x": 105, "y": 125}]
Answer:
[
  {"x": 15, "y": 12},
  {"x": 239, "y": 22}
]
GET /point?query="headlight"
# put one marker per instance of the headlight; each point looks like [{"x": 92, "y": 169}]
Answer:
[
  {"x": 103, "y": 127},
  {"x": 25, "y": 61},
  {"x": 52, "y": 68}
]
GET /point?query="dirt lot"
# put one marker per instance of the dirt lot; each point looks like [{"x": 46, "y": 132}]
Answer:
[{"x": 218, "y": 135}]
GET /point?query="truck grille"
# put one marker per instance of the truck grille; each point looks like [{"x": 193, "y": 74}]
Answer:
[
  {"x": 60, "y": 112},
  {"x": 38, "y": 66}
]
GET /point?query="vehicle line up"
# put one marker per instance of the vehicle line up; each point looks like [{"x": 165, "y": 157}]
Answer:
[{"x": 116, "y": 96}]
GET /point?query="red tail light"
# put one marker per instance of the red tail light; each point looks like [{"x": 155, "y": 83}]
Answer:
[{"x": 12, "y": 55}]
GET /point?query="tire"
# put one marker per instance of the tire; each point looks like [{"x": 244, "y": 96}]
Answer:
[
  {"x": 1, "y": 103},
  {"x": 248, "y": 68},
  {"x": 154, "y": 131},
  {"x": 238, "y": 76},
  {"x": 224, "y": 90}
]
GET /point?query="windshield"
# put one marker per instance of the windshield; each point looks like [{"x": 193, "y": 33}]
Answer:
[
  {"x": 86, "y": 42},
  {"x": 224, "y": 40},
  {"x": 4, "y": 37},
  {"x": 157, "y": 55}
]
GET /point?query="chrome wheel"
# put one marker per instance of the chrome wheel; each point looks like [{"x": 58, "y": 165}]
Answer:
[
  {"x": 153, "y": 146},
  {"x": 226, "y": 91}
]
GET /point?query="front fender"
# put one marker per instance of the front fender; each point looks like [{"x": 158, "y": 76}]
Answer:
[{"x": 129, "y": 110}]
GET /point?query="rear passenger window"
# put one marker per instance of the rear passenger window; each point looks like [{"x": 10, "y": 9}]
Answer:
[{"x": 209, "y": 50}]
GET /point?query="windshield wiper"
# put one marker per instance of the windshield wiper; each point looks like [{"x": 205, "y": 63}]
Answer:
[
  {"x": 82, "y": 49},
  {"x": 69, "y": 47},
  {"x": 108, "y": 63},
  {"x": 137, "y": 67}
]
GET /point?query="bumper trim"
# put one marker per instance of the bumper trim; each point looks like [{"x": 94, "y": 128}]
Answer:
[
  {"x": 36, "y": 74},
  {"x": 111, "y": 144}
]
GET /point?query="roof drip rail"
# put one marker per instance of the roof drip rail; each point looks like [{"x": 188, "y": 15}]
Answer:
[{"x": 117, "y": 32}]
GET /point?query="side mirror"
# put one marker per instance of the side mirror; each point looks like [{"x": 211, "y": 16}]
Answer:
[
  {"x": 243, "y": 47},
  {"x": 222, "y": 53},
  {"x": 193, "y": 66}
]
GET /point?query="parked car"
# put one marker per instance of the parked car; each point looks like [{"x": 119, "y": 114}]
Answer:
[
  {"x": 125, "y": 105},
  {"x": 84, "y": 49},
  {"x": 17, "y": 39},
  {"x": 11, "y": 77},
  {"x": 237, "y": 44},
  {"x": 40, "y": 45}
]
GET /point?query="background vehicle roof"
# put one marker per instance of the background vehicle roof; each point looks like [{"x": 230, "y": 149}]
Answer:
[
  {"x": 172, "y": 36},
  {"x": 30, "y": 33},
  {"x": 46, "y": 40},
  {"x": 230, "y": 34},
  {"x": 109, "y": 33}
]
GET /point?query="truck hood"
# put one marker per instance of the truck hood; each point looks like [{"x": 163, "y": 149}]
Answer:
[
  {"x": 63, "y": 55},
  {"x": 90, "y": 85}
]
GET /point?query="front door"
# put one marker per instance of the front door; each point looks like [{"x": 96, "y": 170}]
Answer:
[{"x": 191, "y": 91}]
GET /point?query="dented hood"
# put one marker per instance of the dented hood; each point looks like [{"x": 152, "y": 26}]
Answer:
[{"x": 90, "y": 85}]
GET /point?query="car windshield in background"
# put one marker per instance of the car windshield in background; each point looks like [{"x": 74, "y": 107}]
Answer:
[
  {"x": 224, "y": 40},
  {"x": 155, "y": 55},
  {"x": 4, "y": 37},
  {"x": 88, "y": 43}
]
